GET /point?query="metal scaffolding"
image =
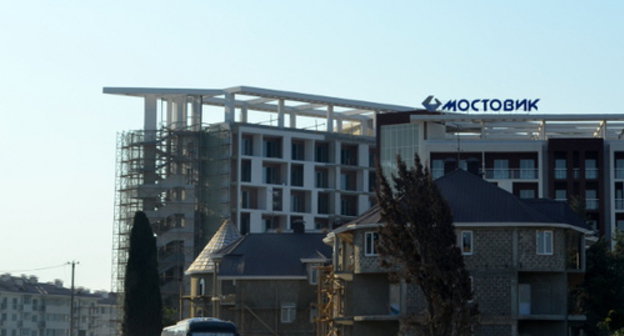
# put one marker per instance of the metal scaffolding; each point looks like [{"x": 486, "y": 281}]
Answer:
[{"x": 180, "y": 179}]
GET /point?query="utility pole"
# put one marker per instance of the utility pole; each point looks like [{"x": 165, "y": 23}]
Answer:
[{"x": 71, "y": 302}]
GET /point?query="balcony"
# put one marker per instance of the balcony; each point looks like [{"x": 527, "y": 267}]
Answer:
[
  {"x": 511, "y": 174},
  {"x": 561, "y": 173},
  {"x": 591, "y": 173},
  {"x": 619, "y": 173},
  {"x": 619, "y": 204},
  {"x": 592, "y": 204}
]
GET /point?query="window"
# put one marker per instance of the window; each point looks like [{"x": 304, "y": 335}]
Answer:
[
  {"x": 560, "y": 169},
  {"x": 288, "y": 312},
  {"x": 277, "y": 199},
  {"x": 298, "y": 201},
  {"x": 370, "y": 243},
  {"x": 245, "y": 170},
  {"x": 527, "y": 169},
  {"x": 313, "y": 274},
  {"x": 272, "y": 175},
  {"x": 273, "y": 147},
  {"x": 348, "y": 155},
  {"x": 591, "y": 169},
  {"x": 619, "y": 168},
  {"x": 323, "y": 203},
  {"x": 591, "y": 199},
  {"x": 437, "y": 169},
  {"x": 321, "y": 152},
  {"x": 202, "y": 287},
  {"x": 247, "y": 145},
  {"x": 466, "y": 242},
  {"x": 544, "y": 242},
  {"x": 348, "y": 205},
  {"x": 322, "y": 178},
  {"x": 560, "y": 195},
  {"x": 527, "y": 193},
  {"x": 296, "y": 175},
  {"x": 298, "y": 150},
  {"x": 501, "y": 169}
]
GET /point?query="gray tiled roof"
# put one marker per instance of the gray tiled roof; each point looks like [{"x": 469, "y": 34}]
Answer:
[
  {"x": 225, "y": 235},
  {"x": 272, "y": 254},
  {"x": 475, "y": 200}
]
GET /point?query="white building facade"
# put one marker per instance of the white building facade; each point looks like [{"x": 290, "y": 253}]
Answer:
[
  {"x": 578, "y": 158},
  {"x": 31, "y": 308},
  {"x": 264, "y": 159}
]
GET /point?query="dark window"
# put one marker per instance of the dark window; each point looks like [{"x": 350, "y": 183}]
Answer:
[
  {"x": 245, "y": 170},
  {"x": 273, "y": 147},
  {"x": 348, "y": 155},
  {"x": 296, "y": 175},
  {"x": 321, "y": 152},
  {"x": 277, "y": 199},
  {"x": 272, "y": 175},
  {"x": 244, "y": 224},
  {"x": 323, "y": 203},
  {"x": 298, "y": 150},
  {"x": 322, "y": 178},
  {"x": 247, "y": 145}
]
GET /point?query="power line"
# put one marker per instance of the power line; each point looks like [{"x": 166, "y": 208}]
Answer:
[{"x": 36, "y": 269}]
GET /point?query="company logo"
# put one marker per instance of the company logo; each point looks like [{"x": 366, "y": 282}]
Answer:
[{"x": 481, "y": 105}]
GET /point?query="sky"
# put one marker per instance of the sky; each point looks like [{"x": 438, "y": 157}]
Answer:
[{"x": 58, "y": 131}]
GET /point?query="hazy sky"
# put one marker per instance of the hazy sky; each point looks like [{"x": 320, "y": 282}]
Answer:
[{"x": 57, "y": 130}]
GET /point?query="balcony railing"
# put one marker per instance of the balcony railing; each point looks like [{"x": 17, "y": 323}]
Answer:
[
  {"x": 619, "y": 173},
  {"x": 591, "y": 204},
  {"x": 561, "y": 173},
  {"x": 507, "y": 174},
  {"x": 591, "y": 173},
  {"x": 619, "y": 204}
]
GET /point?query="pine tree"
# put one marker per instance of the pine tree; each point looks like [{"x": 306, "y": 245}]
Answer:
[
  {"x": 142, "y": 301},
  {"x": 603, "y": 288},
  {"x": 418, "y": 240}
]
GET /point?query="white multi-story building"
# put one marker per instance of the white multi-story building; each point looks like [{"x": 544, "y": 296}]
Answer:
[
  {"x": 573, "y": 157},
  {"x": 31, "y": 308},
  {"x": 275, "y": 158}
]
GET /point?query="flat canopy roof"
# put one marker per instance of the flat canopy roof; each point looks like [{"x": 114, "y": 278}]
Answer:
[
  {"x": 527, "y": 126},
  {"x": 261, "y": 99}
]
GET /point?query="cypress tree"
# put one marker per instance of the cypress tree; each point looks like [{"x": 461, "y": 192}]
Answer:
[
  {"x": 418, "y": 241},
  {"x": 142, "y": 302}
]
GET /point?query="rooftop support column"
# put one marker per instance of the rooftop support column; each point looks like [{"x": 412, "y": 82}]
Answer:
[
  {"x": 243, "y": 114},
  {"x": 196, "y": 114},
  {"x": 293, "y": 118},
  {"x": 338, "y": 125},
  {"x": 149, "y": 147},
  {"x": 280, "y": 113},
  {"x": 180, "y": 113},
  {"x": 150, "y": 115},
  {"x": 330, "y": 118},
  {"x": 229, "y": 107}
]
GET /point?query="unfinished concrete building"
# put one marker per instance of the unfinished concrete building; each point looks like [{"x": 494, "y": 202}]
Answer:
[{"x": 275, "y": 158}]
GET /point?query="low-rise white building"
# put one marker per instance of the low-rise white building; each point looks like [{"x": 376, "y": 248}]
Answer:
[{"x": 31, "y": 308}]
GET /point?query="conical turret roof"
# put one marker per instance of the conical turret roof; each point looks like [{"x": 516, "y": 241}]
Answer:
[{"x": 227, "y": 234}]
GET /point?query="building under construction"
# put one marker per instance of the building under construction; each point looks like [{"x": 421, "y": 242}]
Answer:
[{"x": 273, "y": 159}]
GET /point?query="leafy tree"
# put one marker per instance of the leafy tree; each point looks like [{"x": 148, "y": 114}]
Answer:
[
  {"x": 603, "y": 288},
  {"x": 418, "y": 240},
  {"x": 142, "y": 302}
]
